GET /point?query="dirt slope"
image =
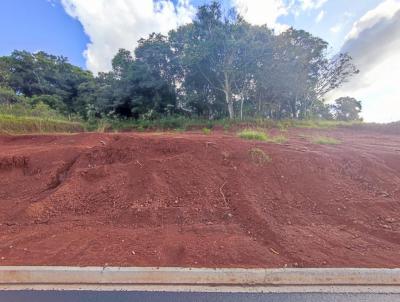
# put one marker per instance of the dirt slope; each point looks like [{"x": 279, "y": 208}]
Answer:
[{"x": 194, "y": 200}]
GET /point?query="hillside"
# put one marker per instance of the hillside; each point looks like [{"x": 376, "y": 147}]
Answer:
[{"x": 190, "y": 199}]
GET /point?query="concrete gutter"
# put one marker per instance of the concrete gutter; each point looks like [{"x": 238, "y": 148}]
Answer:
[{"x": 200, "y": 279}]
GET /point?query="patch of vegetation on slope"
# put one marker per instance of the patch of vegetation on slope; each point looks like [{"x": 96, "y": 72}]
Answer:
[{"x": 24, "y": 124}]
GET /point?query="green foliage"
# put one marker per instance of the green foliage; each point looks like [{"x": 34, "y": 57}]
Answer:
[
  {"x": 8, "y": 96},
  {"x": 252, "y": 135},
  {"x": 324, "y": 140},
  {"x": 259, "y": 157},
  {"x": 53, "y": 102},
  {"x": 206, "y": 131},
  {"x": 314, "y": 124},
  {"x": 23, "y": 124},
  {"x": 347, "y": 109},
  {"x": 216, "y": 67},
  {"x": 25, "y": 108},
  {"x": 43, "y": 75}
]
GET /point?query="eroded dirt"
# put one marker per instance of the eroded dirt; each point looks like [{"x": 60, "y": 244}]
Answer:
[{"x": 187, "y": 199}]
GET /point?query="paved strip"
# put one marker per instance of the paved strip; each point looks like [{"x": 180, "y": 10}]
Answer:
[
  {"x": 118, "y": 296},
  {"x": 288, "y": 280}
]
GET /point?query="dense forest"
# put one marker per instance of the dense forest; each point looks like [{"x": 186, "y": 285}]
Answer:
[{"x": 215, "y": 67}]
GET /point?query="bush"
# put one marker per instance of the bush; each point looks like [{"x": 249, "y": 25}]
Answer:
[
  {"x": 259, "y": 157},
  {"x": 206, "y": 131},
  {"x": 8, "y": 96},
  {"x": 24, "y": 124},
  {"x": 253, "y": 135}
]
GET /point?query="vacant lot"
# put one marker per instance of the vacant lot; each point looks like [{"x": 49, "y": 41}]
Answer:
[{"x": 200, "y": 199}]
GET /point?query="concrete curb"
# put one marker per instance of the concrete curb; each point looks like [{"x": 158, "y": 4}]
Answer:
[{"x": 200, "y": 279}]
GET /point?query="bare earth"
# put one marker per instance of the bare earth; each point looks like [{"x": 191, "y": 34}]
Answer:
[{"x": 188, "y": 199}]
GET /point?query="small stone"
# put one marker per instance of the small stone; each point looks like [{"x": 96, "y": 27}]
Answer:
[
  {"x": 2, "y": 258},
  {"x": 133, "y": 253}
]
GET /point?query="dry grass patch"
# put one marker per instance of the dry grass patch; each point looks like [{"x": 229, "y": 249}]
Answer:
[
  {"x": 259, "y": 157},
  {"x": 325, "y": 140}
]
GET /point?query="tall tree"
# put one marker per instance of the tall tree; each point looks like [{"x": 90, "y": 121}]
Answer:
[{"x": 347, "y": 109}]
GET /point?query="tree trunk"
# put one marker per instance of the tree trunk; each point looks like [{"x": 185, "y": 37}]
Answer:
[
  {"x": 228, "y": 98},
  {"x": 230, "y": 110},
  {"x": 241, "y": 109}
]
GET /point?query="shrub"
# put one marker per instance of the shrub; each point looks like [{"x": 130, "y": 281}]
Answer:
[
  {"x": 206, "y": 131},
  {"x": 253, "y": 135},
  {"x": 259, "y": 157},
  {"x": 23, "y": 124}
]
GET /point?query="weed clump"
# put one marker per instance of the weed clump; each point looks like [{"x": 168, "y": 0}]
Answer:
[
  {"x": 324, "y": 140},
  {"x": 259, "y": 157},
  {"x": 206, "y": 131},
  {"x": 279, "y": 139},
  {"x": 253, "y": 135}
]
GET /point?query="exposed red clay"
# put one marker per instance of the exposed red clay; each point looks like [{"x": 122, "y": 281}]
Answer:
[{"x": 187, "y": 199}]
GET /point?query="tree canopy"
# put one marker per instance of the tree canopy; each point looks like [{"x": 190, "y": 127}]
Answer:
[{"x": 217, "y": 66}]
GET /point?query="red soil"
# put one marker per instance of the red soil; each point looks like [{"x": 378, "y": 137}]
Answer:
[{"x": 195, "y": 200}]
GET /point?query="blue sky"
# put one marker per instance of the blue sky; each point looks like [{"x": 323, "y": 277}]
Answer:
[
  {"x": 89, "y": 32},
  {"x": 44, "y": 25},
  {"x": 40, "y": 25}
]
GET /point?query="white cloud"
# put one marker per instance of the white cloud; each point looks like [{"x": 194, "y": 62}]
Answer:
[
  {"x": 374, "y": 42},
  {"x": 336, "y": 28},
  {"x": 320, "y": 16},
  {"x": 386, "y": 10},
  {"x": 261, "y": 12},
  {"x": 312, "y": 4},
  {"x": 116, "y": 24}
]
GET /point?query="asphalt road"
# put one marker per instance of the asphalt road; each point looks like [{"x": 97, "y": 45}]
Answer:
[{"x": 119, "y": 296}]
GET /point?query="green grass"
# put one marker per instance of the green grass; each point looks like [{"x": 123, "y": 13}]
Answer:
[
  {"x": 324, "y": 140},
  {"x": 261, "y": 136},
  {"x": 253, "y": 135},
  {"x": 206, "y": 131},
  {"x": 186, "y": 123},
  {"x": 22, "y": 124},
  {"x": 259, "y": 157}
]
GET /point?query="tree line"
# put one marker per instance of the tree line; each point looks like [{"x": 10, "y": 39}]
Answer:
[{"x": 215, "y": 67}]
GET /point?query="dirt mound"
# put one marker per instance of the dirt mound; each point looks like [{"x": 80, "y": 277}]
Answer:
[{"x": 196, "y": 200}]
